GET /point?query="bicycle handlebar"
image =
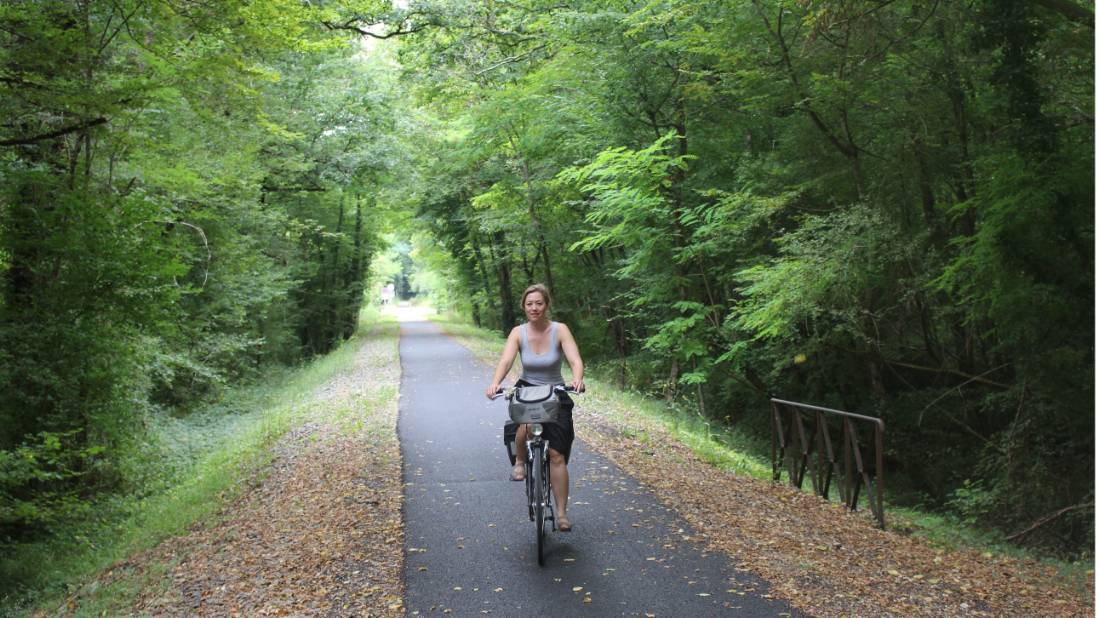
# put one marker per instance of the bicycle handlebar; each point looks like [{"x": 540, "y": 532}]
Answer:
[{"x": 506, "y": 391}]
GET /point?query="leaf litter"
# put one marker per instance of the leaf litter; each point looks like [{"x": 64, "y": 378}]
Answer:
[{"x": 817, "y": 555}]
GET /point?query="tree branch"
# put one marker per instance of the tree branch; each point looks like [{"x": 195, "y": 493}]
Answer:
[
  {"x": 511, "y": 59},
  {"x": 205, "y": 243},
  {"x": 271, "y": 189},
  {"x": 803, "y": 104},
  {"x": 1070, "y": 10},
  {"x": 1049, "y": 518},
  {"x": 955, "y": 372},
  {"x": 15, "y": 81},
  {"x": 356, "y": 24},
  {"x": 20, "y": 141},
  {"x": 946, "y": 370}
]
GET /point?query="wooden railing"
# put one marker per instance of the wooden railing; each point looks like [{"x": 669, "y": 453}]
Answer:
[{"x": 794, "y": 448}]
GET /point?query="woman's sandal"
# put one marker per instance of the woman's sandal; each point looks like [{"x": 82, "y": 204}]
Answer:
[{"x": 518, "y": 472}]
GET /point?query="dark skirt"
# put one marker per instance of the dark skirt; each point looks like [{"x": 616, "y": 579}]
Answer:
[{"x": 560, "y": 433}]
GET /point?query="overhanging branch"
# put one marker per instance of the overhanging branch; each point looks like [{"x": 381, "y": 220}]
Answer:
[
  {"x": 21, "y": 141},
  {"x": 364, "y": 25},
  {"x": 274, "y": 189},
  {"x": 1070, "y": 10}
]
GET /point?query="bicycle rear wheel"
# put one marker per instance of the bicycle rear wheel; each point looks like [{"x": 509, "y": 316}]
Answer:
[{"x": 538, "y": 494}]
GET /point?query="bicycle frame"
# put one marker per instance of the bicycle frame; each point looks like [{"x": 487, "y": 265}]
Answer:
[{"x": 540, "y": 507}]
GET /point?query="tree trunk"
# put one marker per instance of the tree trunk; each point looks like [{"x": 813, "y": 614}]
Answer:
[
  {"x": 699, "y": 391},
  {"x": 953, "y": 85},
  {"x": 673, "y": 376},
  {"x": 480, "y": 261},
  {"x": 927, "y": 193},
  {"x": 504, "y": 280},
  {"x": 535, "y": 222},
  {"x": 355, "y": 283},
  {"x": 334, "y": 292}
]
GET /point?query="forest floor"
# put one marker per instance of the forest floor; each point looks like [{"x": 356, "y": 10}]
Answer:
[
  {"x": 822, "y": 558},
  {"x": 317, "y": 532}
]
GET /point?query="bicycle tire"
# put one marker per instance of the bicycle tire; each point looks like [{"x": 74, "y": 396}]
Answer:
[
  {"x": 538, "y": 493},
  {"x": 527, "y": 482},
  {"x": 548, "y": 494}
]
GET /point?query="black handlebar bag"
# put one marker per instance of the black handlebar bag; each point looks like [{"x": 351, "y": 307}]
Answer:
[
  {"x": 529, "y": 404},
  {"x": 534, "y": 404}
]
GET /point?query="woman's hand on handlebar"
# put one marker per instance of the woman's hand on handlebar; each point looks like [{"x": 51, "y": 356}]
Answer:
[
  {"x": 576, "y": 386},
  {"x": 493, "y": 390}
]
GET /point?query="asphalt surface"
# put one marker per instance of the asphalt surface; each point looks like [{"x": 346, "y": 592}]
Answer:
[{"x": 470, "y": 548}]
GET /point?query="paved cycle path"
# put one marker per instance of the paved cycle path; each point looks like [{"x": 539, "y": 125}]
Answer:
[{"x": 470, "y": 547}]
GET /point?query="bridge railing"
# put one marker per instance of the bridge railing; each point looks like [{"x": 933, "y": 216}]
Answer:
[{"x": 802, "y": 440}]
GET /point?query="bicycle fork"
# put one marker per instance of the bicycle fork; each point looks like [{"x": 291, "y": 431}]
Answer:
[{"x": 534, "y": 496}]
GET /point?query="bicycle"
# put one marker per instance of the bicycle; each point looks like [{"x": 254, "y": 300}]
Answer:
[{"x": 535, "y": 406}]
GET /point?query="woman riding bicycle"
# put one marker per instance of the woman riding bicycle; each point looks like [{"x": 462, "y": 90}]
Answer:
[{"x": 541, "y": 344}]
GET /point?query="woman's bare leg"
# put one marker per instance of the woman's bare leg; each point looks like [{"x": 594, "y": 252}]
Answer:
[
  {"x": 559, "y": 480},
  {"x": 521, "y": 453}
]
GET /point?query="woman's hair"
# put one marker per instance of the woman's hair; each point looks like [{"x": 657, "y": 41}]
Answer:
[{"x": 538, "y": 287}]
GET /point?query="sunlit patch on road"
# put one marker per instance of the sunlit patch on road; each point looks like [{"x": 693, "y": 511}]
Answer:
[{"x": 405, "y": 312}]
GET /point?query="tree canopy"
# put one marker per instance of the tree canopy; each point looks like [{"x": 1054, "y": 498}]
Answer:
[{"x": 875, "y": 205}]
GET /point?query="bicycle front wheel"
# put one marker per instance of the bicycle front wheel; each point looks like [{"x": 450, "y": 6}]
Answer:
[
  {"x": 548, "y": 494},
  {"x": 538, "y": 491}
]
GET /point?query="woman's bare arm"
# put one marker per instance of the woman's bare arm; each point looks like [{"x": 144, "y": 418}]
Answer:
[
  {"x": 507, "y": 357},
  {"x": 573, "y": 355}
]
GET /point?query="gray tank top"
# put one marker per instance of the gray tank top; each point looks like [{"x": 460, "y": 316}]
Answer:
[{"x": 541, "y": 368}]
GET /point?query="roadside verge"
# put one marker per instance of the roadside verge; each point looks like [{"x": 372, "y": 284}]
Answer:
[{"x": 311, "y": 525}]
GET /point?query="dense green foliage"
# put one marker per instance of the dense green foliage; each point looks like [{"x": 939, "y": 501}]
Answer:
[
  {"x": 188, "y": 194},
  {"x": 881, "y": 206}
]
